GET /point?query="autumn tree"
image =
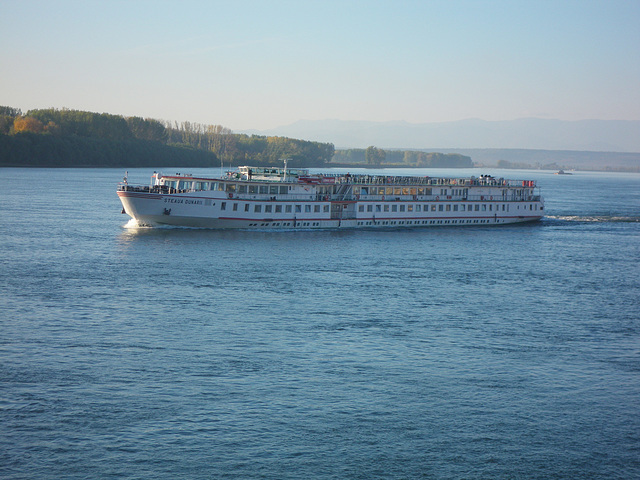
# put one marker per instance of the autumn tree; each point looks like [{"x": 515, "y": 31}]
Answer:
[{"x": 27, "y": 124}]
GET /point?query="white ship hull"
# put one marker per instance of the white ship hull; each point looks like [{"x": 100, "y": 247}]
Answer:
[{"x": 347, "y": 202}]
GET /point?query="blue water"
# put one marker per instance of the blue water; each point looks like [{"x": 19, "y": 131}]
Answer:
[{"x": 456, "y": 352}]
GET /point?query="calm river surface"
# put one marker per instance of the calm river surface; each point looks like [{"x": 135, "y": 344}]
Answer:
[{"x": 455, "y": 352}]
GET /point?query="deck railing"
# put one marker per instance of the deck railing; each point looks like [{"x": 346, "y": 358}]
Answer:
[{"x": 340, "y": 197}]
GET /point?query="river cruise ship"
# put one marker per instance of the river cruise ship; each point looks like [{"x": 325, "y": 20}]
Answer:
[{"x": 282, "y": 198}]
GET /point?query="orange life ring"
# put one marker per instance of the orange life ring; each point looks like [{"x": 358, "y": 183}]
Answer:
[{"x": 230, "y": 195}]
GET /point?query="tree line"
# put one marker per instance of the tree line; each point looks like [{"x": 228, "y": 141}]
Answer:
[
  {"x": 63, "y": 137},
  {"x": 373, "y": 156},
  {"x": 73, "y": 138}
]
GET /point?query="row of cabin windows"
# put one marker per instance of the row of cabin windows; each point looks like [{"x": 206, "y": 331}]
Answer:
[
  {"x": 284, "y": 189},
  {"x": 425, "y": 222},
  {"x": 408, "y": 191},
  {"x": 308, "y": 208},
  {"x": 434, "y": 208},
  {"x": 391, "y": 191},
  {"x": 271, "y": 208},
  {"x": 228, "y": 187},
  {"x": 285, "y": 224},
  {"x": 458, "y": 192}
]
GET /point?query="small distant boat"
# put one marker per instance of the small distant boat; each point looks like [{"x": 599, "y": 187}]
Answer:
[{"x": 562, "y": 172}]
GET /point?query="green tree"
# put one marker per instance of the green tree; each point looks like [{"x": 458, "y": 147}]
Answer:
[{"x": 10, "y": 111}]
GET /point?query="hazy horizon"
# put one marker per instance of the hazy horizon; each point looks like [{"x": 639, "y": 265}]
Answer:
[{"x": 262, "y": 65}]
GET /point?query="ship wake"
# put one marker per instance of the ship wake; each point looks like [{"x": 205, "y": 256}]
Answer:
[{"x": 594, "y": 218}]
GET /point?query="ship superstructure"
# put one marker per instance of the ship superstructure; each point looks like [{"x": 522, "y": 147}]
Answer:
[{"x": 265, "y": 197}]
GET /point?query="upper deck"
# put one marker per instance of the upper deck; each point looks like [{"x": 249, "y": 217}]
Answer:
[{"x": 302, "y": 176}]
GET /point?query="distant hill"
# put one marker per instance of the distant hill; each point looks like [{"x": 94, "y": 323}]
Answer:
[
  {"x": 526, "y": 133},
  {"x": 551, "y": 159}
]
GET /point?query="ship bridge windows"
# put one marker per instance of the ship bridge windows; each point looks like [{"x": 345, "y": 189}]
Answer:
[
  {"x": 253, "y": 189},
  {"x": 242, "y": 189},
  {"x": 231, "y": 187},
  {"x": 263, "y": 189},
  {"x": 283, "y": 189},
  {"x": 273, "y": 190},
  {"x": 170, "y": 183},
  {"x": 184, "y": 185}
]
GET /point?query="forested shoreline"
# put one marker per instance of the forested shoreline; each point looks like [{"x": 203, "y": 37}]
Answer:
[
  {"x": 377, "y": 157},
  {"x": 72, "y": 138}
]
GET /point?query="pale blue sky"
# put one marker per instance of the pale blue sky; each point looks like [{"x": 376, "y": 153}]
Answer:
[{"x": 261, "y": 64}]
